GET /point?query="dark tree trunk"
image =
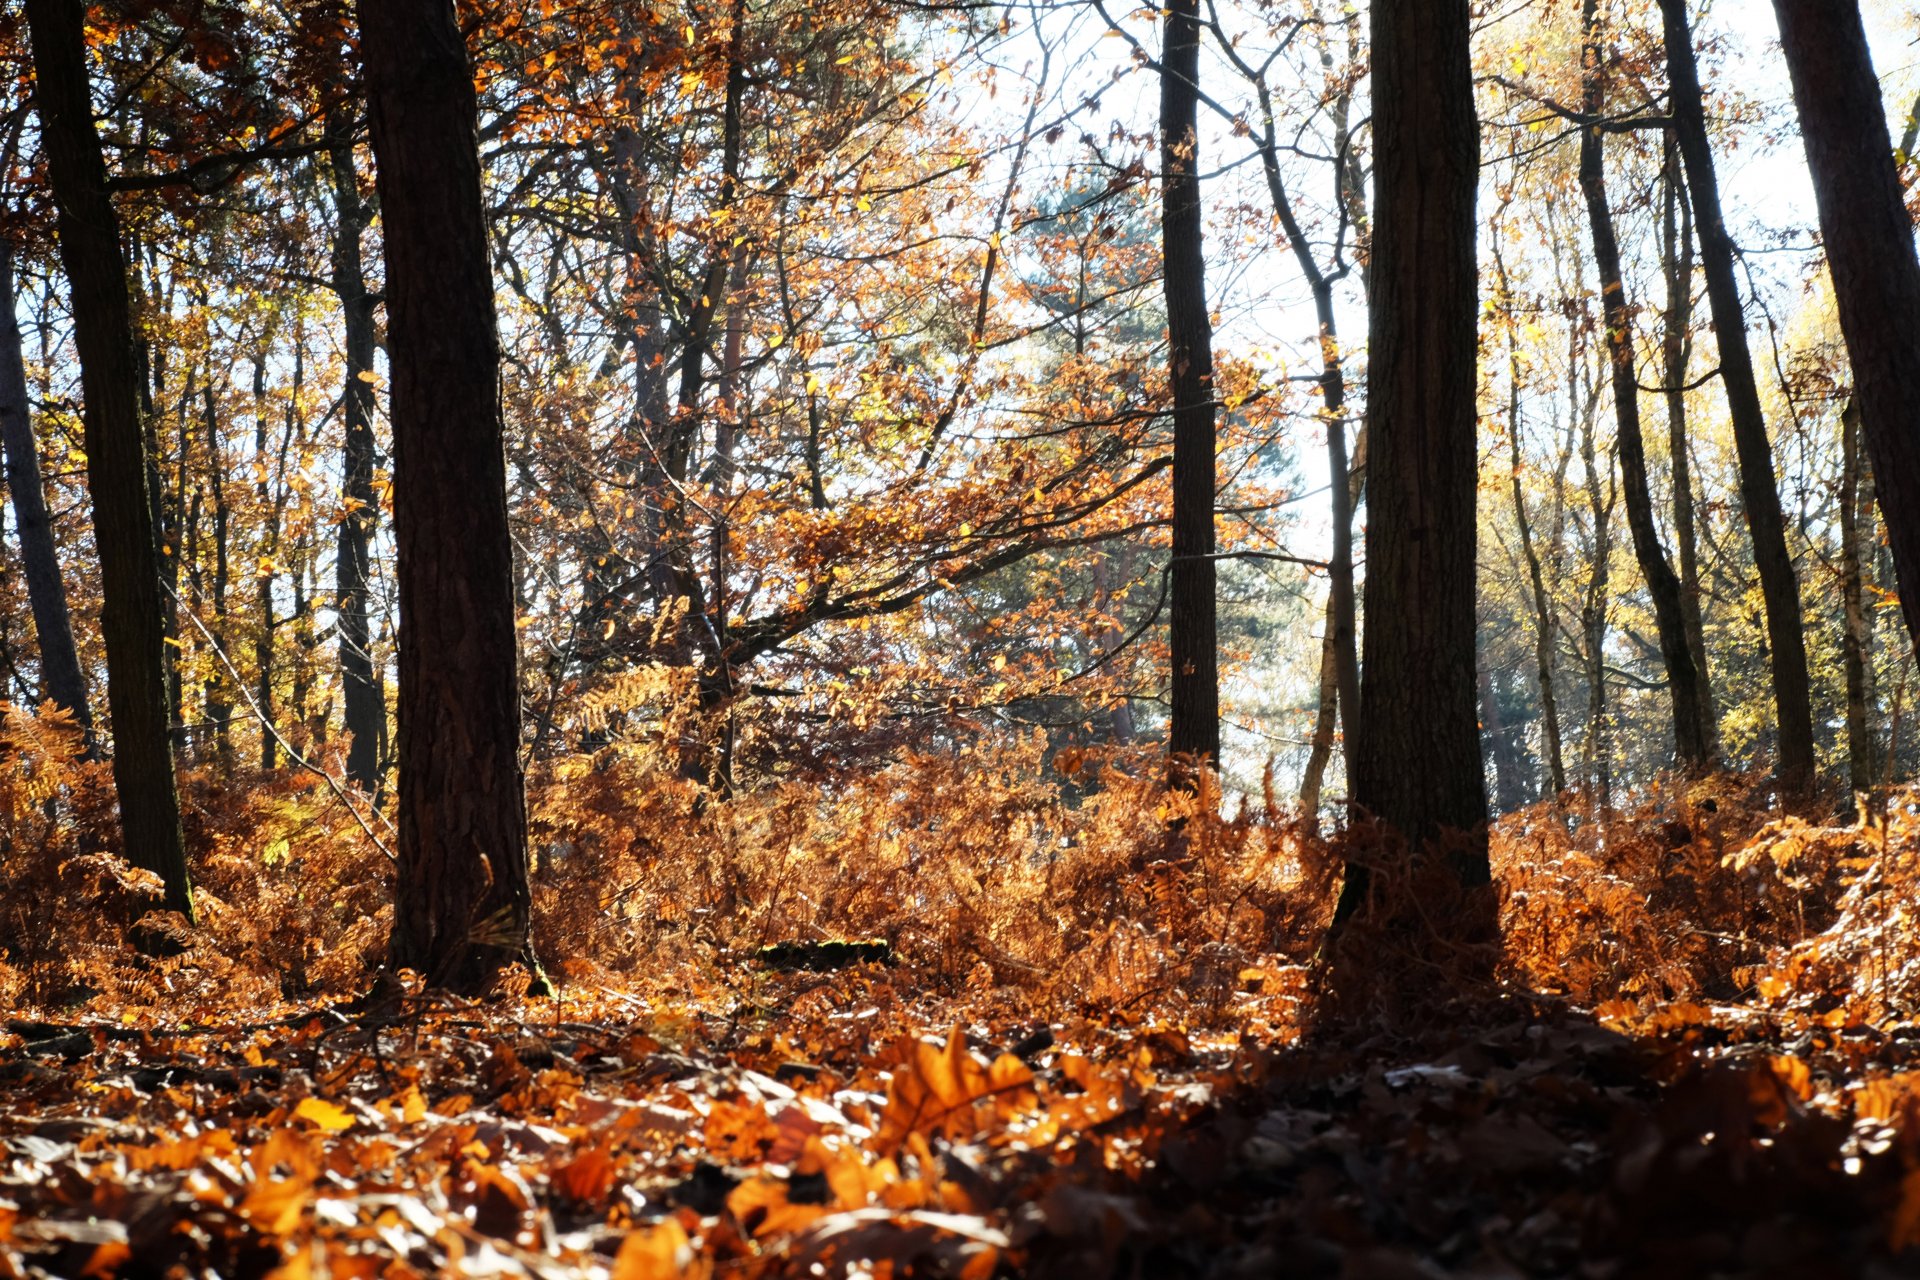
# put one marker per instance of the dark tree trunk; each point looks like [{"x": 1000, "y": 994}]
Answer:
[
  {"x": 1689, "y": 733},
  {"x": 131, "y": 608},
  {"x": 1760, "y": 497},
  {"x": 462, "y": 908},
  {"x": 1598, "y": 752},
  {"x": 219, "y": 701},
  {"x": 1417, "y": 761},
  {"x": 61, "y": 678},
  {"x": 1193, "y": 735},
  {"x": 363, "y": 689},
  {"x": 1869, "y": 242},
  {"x": 1676, "y": 346},
  {"x": 263, "y": 581}
]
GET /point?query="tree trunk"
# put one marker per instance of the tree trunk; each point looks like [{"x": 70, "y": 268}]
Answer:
[
  {"x": 264, "y": 574},
  {"x": 363, "y": 689},
  {"x": 1417, "y": 761},
  {"x": 1689, "y": 734},
  {"x": 1676, "y": 347},
  {"x": 219, "y": 702},
  {"x": 1855, "y": 652},
  {"x": 1869, "y": 242},
  {"x": 462, "y": 908},
  {"x": 1758, "y": 493},
  {"x": 1193, "y": 736},
  {"x": 61, "y": 678},
  {"x": 131, "y": 608},
  {"x": 1598, "y": 753}
]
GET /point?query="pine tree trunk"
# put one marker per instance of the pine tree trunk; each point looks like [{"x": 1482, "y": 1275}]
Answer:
[
  {"x": 1869, "y": 243},
  {"x": 1689, "y": 734},
  {"x": 1193, "y": 736},
  {"x": 364, "y": 691},
  {"x": 1417, "y": 761},
  {"x": 1758, "y": 492},
  {"x": 131, "y": 609},
  {"x": 61, "y": 678},
  {"x": 463, "y": 907}
]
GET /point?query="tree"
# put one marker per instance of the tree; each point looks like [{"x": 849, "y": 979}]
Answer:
[
  {"x": 1690, "y": 736},
  {"x": 462, "y": 905},
  {"x": 365, "y": 694},
  {"x": 1193, "y": 735},
  {"x": 117, "y": 465},
  {"x": 1870, "y": 252},
  {"x": 61, "y": 678},
  {"x": 1417, "y": 763},
  {"x": 1793, "y": 704}
]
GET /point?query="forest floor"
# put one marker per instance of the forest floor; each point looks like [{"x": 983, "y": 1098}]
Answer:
[{"x": 837, "y": 1124}]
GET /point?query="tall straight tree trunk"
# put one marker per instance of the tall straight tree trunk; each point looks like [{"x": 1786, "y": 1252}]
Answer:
[
  {"x": 1676, "y": 346},
  {"x": 264, "y": 573},
  {"x": 1869, "y": 242},
  {"x": 1193, "y": 735},
  {"x": 1855, "y": 642},
  {"x": 219, "y": 702},
  {"x": 1597, "y": 755},
  {"x": 462, "y": 908},
  {"x": 1759, "y": 495},
  {"x": 365, "y": 694},
  {"x": 1536, "y": 577},
  {"x": 1689, "y": 733},
  {"x": 131, "y": 608},
  {"x": 61, "y": 678},
  {"x": 1417, "y": 761}
]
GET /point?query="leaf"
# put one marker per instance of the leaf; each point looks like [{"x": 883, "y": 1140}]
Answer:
[{"x": 323, "y": 1115}]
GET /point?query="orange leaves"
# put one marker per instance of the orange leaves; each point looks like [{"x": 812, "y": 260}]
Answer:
[
  {"x": 937, "y": 1090},
  {"x": 660, "y": 1252}
]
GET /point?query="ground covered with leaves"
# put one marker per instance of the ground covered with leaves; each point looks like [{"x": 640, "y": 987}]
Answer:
[{"x": 1003, "y": 1028}]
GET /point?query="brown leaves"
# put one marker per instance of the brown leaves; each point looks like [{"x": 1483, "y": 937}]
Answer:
[{"x": 936, "y": 1093}]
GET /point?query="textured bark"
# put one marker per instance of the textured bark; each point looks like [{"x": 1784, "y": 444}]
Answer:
[
  {"x": 1663, "y": 585},
  {"x": 1676, "y": 346},
  {"x": 131, "y": 607},
  {"x": 363, "y": 690},
  {"x": 219, "y": 702},
  {"x": 1417, "y": 761},
  {"x": 1597, "y": 754},
  {"x": 1856, "y": 653},
  {"x": 1193, "y": 734},
  {"x": 61, "y": 678},
  {"x": 462, "y": 903},
  {"x": 1869, "y": 242},
  {"x": 1759, "y": 495}
]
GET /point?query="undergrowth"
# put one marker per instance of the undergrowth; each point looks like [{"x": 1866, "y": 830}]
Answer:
[{"x": 984, "y": 869}]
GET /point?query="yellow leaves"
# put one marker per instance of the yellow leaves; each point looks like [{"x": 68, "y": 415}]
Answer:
[
  {"x": 324, "y": 1115},
  {"x": 660, "y": 1252}
]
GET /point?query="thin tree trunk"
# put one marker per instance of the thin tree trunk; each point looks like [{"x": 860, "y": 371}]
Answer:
[
  {"x": 1689, "y": 734},
  {"x": 463, "y": 908},
  {"x": 1598, "y": 753},
  {"x": 1856, "y": 659},
  {"x": 264, "y": 574},
  {"x": 1417, "y": 761},
  {"x": 1193, "y": 737},
  {"x": 61, "y": 677},
  {"x": 1870, "y": 251},
  {"x": 1676, "y": 348},
  {"x": 363, "y": 689},
  {"x": 130, "y": 615},
  {"x": 1542, "y": 602},
  {"x": 218, "y": 703},
  {"x": 1759, "y": 494}
]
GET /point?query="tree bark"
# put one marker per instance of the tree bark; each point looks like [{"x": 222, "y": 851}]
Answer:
[
  {"x": 1689, "y": 734},
  {"x": 1759, "y": 494},
  {"x": 462, "y": 907},
  {"x": 364, "y": 691},
  {"x": 1676, "y": 347},
  {"x": 1869, "y": 243},
  {"x": 131, "y": 608},
  {"x": 1855, "y": 640},
  {"x": 61, "y": 677},
  {"x": 1417, "y": 761},
  {"x": 1193, "y": 736}
]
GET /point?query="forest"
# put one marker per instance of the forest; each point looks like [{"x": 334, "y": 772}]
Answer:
[{"x": 959, "y": 638}]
